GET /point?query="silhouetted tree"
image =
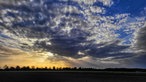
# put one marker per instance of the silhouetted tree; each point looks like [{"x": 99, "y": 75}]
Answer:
[
  {"x": 5, "y": 67},
  {"x": 54, "y": 68},
  {"x": 18, "y": 68},
  {"x": 12, "y": 68}
]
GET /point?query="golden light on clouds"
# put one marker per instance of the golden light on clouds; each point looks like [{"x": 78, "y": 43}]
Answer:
[{"x": 16, "y": 57}]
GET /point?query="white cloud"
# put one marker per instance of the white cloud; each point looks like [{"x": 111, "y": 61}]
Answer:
[
  {"x": 107, "y": 2},
  {"x": 88, "y": 2}
]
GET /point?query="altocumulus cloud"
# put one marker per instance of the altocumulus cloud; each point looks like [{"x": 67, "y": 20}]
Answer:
[{"x": 77, "y": 31}]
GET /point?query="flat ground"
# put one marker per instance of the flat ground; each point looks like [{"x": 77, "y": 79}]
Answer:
[{"x": 67, "y": 76}]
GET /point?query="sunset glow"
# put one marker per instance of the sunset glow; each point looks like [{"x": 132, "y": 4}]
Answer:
[{"x": 73, "y": 33}]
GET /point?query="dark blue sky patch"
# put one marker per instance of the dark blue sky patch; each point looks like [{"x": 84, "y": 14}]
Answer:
[{"x": 134, "y": 7}]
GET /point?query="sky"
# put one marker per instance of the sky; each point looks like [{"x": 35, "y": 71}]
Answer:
[{"x": 69, "y": 33}]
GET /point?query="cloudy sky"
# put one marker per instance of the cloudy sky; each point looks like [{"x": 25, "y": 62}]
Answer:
[{"x": 82, "y": 33}]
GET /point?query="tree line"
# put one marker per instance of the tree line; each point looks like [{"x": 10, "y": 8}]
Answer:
[{"x": 33, "y": 68}]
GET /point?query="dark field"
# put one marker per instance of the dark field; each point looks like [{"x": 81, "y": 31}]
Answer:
[{"x": 63, "y": 76}]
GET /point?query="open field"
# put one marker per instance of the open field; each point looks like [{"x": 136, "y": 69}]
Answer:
[{"x": 67, "y": 76}]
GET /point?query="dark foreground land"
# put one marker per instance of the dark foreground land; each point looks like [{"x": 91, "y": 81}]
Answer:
[{"x": 67, "y": 76}]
